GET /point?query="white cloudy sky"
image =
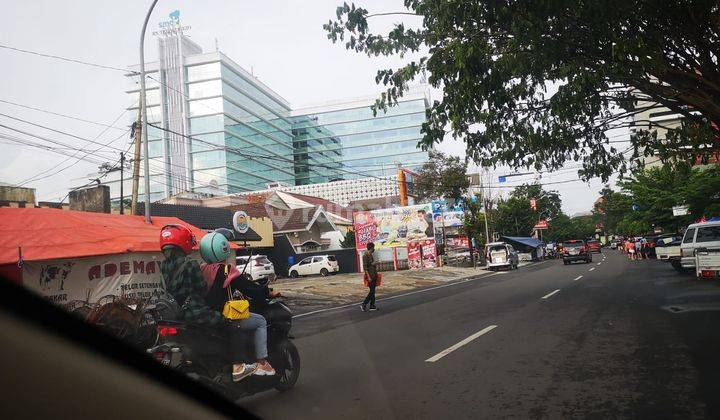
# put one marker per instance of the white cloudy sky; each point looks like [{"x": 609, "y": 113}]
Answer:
[{"x": 281, "y": 41}]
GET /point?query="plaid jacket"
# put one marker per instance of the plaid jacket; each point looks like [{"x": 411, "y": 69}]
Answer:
[{"x": 189, "y": 288}]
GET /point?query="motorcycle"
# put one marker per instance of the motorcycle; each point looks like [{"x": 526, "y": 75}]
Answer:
[{"x": 203, "y": 353}]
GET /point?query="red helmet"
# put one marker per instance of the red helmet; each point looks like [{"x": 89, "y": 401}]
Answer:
[{"x": 177, "y": 235}]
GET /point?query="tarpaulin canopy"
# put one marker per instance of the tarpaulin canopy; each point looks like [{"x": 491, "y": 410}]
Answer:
[
  {"x": 523, "y": 240},
  {"x": 46, "y": 234}
]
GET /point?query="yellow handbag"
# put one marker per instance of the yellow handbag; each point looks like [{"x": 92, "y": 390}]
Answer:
[{"x": 236, "y": 309}]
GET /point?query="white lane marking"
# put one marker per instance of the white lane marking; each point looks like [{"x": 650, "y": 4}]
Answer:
[
  {"x": 460, "y": 344},
  {"x": 599, "y": 263},
  {"x": 577, "y": 278},
  {"x": 397, "y": 296},
  {"x": 591, "y": 269},
  {"x": 550, "y": 294}
]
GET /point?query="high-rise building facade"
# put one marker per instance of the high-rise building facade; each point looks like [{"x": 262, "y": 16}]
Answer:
[
  {"x": 214, "y": 128},
  {"x": 366, "y": 144}
]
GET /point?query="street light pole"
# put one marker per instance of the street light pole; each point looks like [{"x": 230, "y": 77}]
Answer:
[{"x": 143, "y": 107}]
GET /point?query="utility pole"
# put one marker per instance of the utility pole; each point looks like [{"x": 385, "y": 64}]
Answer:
[
  {"x": 143, "y": 108},
  {"x": 122, "y": 181},
  {"x": 136, "y": 164}
]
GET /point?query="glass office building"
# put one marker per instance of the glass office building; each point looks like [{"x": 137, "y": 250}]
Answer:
[
  {"x": 365, "y": 145},
  {"x": 216, "y": 129}
]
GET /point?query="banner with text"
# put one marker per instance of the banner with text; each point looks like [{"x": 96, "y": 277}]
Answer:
[{"x": 65, "y": 282}]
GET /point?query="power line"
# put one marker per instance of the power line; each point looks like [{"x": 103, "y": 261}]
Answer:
[
  {"x": 62, "y": 115},
  {"x": 57, "y": 131},
  {"x": 26, "y": 142},
  {"x": 71, "y": 60},
  {"x": 38, "y": 176},
  {"x": 43, "y": 138}
]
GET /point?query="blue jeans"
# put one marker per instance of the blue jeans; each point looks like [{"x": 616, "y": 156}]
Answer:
[{"x": 259, "y": 325}]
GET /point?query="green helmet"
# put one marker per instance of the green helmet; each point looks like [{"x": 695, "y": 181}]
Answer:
[{"x": 214, "y": 247}]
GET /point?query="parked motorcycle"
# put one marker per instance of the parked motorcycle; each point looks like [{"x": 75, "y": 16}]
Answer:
[{"x": 203, "y": 353}]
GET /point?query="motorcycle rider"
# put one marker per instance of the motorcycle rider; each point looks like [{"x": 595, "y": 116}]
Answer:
[
  {"x": 185, "y": 283},
  {"x": 215, "y": 250}
]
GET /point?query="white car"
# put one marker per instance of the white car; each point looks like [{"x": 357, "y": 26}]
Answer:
[
  {"x": 319, "y": 264},
  {"x": 260, "y": 267},
  {"x": 698, "y": 235}
]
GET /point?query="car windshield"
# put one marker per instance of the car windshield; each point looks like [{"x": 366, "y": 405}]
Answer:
[{"x": 363, "y": 209}]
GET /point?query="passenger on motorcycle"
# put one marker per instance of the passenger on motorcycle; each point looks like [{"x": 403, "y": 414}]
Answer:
[
  {"x": 218, "y": 275},
  {"x": 185, "y": 283}
]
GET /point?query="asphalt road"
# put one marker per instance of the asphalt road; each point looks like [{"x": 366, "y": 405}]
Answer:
[{"x": 625, "y": 340}]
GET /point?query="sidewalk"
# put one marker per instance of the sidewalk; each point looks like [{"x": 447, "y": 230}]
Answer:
[{"x": 310, "y": 293}]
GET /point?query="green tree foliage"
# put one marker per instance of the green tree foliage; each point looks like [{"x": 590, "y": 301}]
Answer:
[
  {"x": 349, "y": 240},
  {"x": 515, "y": 217},
  {"x": 612, "y": 208},
  {"x": 536, "y": 84},
  {"x": 442, "y": 176},
  {"x": 656, "y": 190},
  {"x": 474, "y": 221},
  {"x": 563, "y": 228}
]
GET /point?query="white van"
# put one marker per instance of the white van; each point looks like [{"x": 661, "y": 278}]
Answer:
[
  {"x": 699, "y": 235},
  {"x": 501, "y": 255}
]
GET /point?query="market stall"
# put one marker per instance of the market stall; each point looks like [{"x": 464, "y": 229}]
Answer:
[{"x": 70, "y": 256}]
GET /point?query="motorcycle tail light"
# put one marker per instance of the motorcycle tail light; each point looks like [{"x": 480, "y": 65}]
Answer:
[{"x": 165, "y": 331}]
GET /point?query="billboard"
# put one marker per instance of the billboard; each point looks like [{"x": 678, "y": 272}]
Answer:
[
  {"x": 449, "y": 218},
  {"x": 391, "y": 228}
]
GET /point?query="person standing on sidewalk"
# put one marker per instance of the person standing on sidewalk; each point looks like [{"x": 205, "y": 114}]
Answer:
[{"x": 371, "y": 275}]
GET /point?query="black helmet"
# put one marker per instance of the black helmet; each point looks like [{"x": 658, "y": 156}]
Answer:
[{"x": 227, "y": 233}]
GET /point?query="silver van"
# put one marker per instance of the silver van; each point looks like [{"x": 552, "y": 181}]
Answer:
[{"x": 698, "y": 235}]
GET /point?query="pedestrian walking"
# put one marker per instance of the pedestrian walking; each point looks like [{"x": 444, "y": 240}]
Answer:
[
  {"x": 631, "y": 250},
  {"x": 371, "y": 278}
]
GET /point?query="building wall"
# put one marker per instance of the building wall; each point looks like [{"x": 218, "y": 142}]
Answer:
[
  {"x": 96, "y": 199},
  {"x": 347, "y": 191},
  {"x": 660, "y": 120},
  {"x": 17, "y": 195}
]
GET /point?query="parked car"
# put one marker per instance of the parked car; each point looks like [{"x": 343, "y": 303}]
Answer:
[
  {"x": 667, "y": 251},
  {"x": 594, "y": 246},
  {"x": 260, "y": 267},
  {"x": 501, "y": 255},
  {"x": 576, "y": 250},
  {"x": 318, "y": 264},
  {"x": 706, "y": 234}
]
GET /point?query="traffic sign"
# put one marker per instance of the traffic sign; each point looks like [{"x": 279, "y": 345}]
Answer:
[{"x": 541, "y": 224}]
